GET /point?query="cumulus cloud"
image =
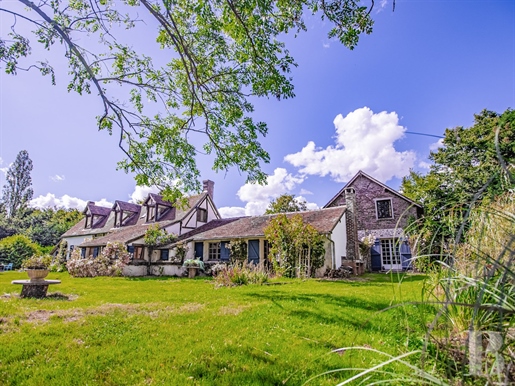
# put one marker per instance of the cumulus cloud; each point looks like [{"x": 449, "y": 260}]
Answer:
[
  {"x": 435, "y": 146},
  {"x": 257, "y": 197},
  {"x": 57, "y": 178},
  {"x": 364, "y": 141},
  {"x": 424, "y": 165},
  {"x": 66, "y": 201},
  {"x": 305, "y": 191},
  {"x": 141, "y": 193}
]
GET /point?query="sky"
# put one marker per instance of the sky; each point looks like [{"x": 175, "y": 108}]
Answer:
[{"x": 427, "y": 66}]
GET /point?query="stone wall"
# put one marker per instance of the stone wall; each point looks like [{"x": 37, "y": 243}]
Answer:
[{"x": 366, "y": 192}]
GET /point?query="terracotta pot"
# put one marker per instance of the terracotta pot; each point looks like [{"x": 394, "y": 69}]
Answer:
[{"x": 37, "y": 274}]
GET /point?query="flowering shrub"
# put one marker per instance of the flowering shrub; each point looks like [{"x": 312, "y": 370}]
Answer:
[
  {"x": 234, "y": 275},
  {"x": 37, "y": 262},
  {"x": 109, "y": 263}
]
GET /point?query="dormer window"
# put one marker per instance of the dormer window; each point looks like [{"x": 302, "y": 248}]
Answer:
[
  {"x": 157, "y": 209},
  {"x": 125, "y": 213},
  {"x": 95, "y": 216}
]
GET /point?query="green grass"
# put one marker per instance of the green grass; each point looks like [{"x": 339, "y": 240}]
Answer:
[{"x": 166, "y": 331}]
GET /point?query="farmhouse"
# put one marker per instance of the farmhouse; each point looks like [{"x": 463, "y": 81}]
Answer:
[
  {"x": 382, "y": 213},
  {"x": 363, "y": 207}
]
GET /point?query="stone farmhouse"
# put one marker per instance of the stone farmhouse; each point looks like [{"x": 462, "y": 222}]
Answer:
[
  {"x": 363, "y": 206},
  {"x": 383, "y": 213}
]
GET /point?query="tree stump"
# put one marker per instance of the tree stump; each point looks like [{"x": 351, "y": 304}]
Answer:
[{"x": 34, "y": 291}]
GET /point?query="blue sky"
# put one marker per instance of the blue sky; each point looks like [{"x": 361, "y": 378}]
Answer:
[{"x": 428, "y": 66}]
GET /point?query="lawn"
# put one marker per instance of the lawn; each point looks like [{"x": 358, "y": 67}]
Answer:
[{"x": 168, "y": 331}]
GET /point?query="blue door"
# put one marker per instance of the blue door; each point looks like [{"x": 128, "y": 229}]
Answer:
[
  {"x": 224, "y": 251},
  {"x": 199, "y": 251},
  {"x": 375, "y": 256},
  {"x": 254, "y": 251},
  {"x": 405, "y": 255}
]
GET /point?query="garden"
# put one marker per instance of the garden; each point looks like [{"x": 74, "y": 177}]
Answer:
[{"x": 118, "y": 330}]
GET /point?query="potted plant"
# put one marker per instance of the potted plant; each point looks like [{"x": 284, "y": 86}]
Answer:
[
  {"x": 193, "y": 265},
  {"x": 37, "y": 266}
]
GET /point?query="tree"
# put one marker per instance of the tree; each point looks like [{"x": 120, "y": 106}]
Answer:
[
  {"x": 297, "y": 247},
  {"x": 474, "y": 166},
  {"x": 286, "y": 203},
  {"x": 17, "y": 191},
  {"x": 224, "y": 54},
  {"x": 15, "y": 249}
]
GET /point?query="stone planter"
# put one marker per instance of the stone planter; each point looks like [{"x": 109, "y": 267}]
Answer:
[
  {"x": 37, "y": 274},
  {"x": 192, "y": 272}
]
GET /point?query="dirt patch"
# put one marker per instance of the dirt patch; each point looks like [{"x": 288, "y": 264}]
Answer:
[
  {"x": 190, "y": 307},
  {"x": 232, "y": 310}
]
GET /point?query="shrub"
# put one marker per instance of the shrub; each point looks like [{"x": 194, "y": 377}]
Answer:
[
  {"x": 234, "y": 275},
  {"x": 15, "y": 249},
  {"x": 109, "y": 263}
]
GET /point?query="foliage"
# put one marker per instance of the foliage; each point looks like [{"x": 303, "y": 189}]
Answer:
[
  {"x": 223, "y": 54},
  {"x": 297, "y": 248},
  {"x": 474, "y": 166},
  {"x": 110, "y": 262},
  {"x": 155, "y": 236},
  {"x": 477, "y": 296},
  {"x": 17, "y": 191},
  {"x": 15, "y": 249},
  {"x": 37, "y": 262},
  {"x": 238, "y": 250},
  {"x": 193, "y": 263},
  {"x": 286, "y": 203},
  {"x": 181, "y": 249},
  {"x": 239, "y": 274}
]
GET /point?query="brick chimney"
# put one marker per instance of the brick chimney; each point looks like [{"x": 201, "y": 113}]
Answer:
[
  {"x": 209, "y": 187},
  {"x": 351, "y": 224}
]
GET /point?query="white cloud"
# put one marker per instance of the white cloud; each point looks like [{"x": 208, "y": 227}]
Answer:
[
  {"x": 57, "y": 178},
  {"x": 231, "y": 211},
  {"x": 436, "y": 145},
  {"x": 141, "y": 192},
  {"x": 68, "y": 202},
  {"x": 306, "y": 192},
  {"x": 424, "y": 165},
  {"x": 257, "y": 197},
  {"x": 364, "y": 141},
  {"x": 326, "y": 45}
]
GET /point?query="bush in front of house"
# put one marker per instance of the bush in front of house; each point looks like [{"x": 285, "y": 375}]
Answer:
[
  {"x": 15, "y": 249},
  {"x": 238, "y": 274},
  {"x": 109, "y": 263}
]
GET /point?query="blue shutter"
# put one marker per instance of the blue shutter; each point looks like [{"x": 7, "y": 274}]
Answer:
[
  {"x": 95, "y": 252},
  {"x": 83, "y": 252},
  {"x": 254, "y": 251},
  {"x": 199, "y": 251},
  {"x": 375, "y": 256},
  {"x": 224, "y": 251},
  {"x": 130, "y": 249},
  {"x": 405, "y": 255}
]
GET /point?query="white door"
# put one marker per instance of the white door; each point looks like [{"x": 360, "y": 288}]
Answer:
[{"x": 390, "y": 254}]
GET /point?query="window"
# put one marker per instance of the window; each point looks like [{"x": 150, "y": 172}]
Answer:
[
  {"x": 95, "y": 252},
  {"x": 201, "y": 215},
  {"x": 384, "y": 208},
  {"x": 214, "y": 251},
  {"x": 164, "y": 254},
  {"x": 390, "y": 254}
]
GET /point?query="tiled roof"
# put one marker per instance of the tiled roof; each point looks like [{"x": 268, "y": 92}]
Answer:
[
  {"x": 158, "y": 200},
  {"x": 98, "y": 210},
  {"x": 170, "y": 217},
  {"x": 323, "y": 220},
  {"x": 123, "y": 234},
  {"x": 127, "y": 206}
]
